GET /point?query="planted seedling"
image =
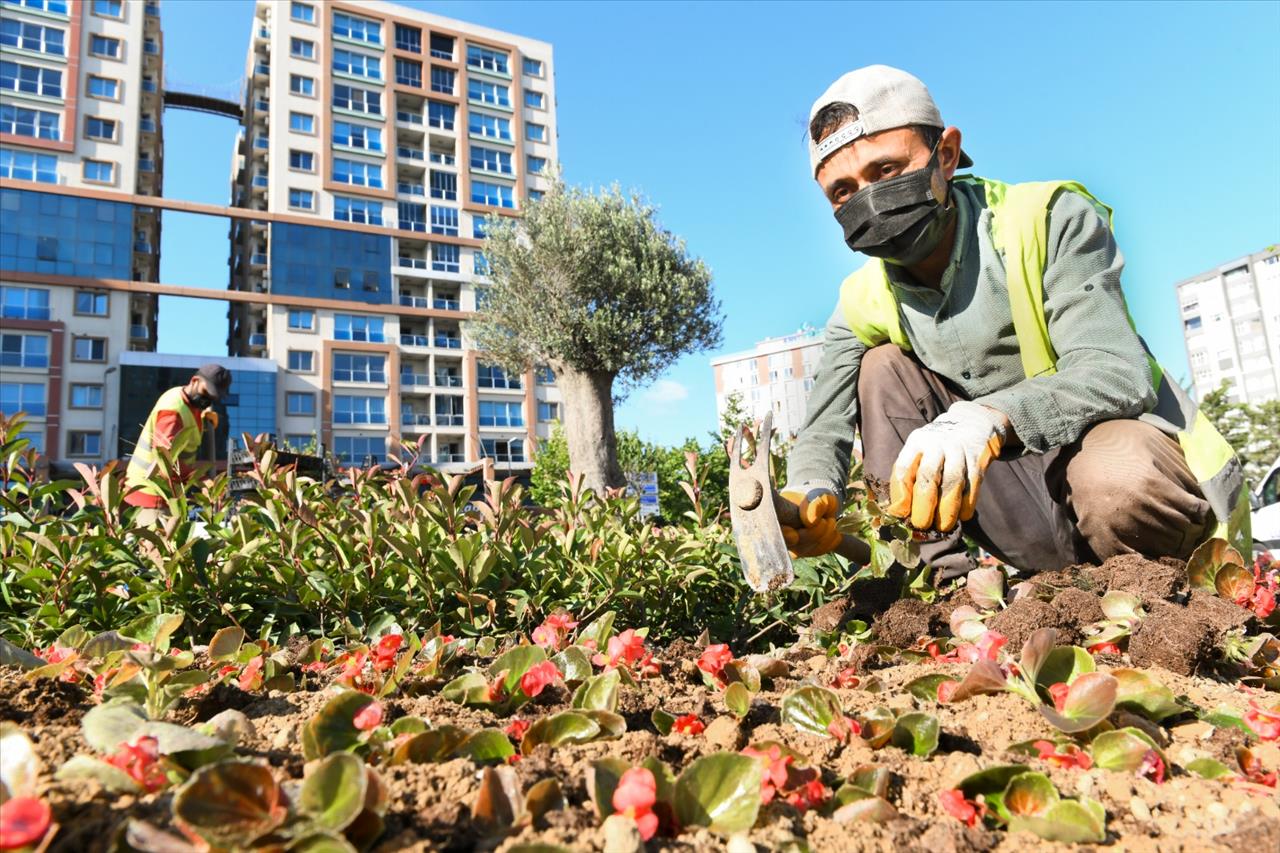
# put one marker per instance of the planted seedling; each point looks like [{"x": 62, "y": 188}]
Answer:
[
  {"x": 863, "y": 797},
  {"x": 1122, "y": 611},
  {"x": 508, "y": 683},
  {"x": 1130, "y": 750},
  {"x": 572, "y": 727},
  {"x": 1013, "y": 796},
  {"x": 787, "y": 777}
]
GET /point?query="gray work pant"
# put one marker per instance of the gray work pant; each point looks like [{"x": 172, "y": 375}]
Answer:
[{"x": 1123, "y": 488}]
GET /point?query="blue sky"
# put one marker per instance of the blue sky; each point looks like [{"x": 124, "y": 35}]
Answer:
[{"x": 1169, "y": 112}]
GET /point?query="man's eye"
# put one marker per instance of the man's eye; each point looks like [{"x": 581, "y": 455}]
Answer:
[{"x": 888, "y": 169}]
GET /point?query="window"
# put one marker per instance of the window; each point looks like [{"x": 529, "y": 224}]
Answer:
[
  {"x": 302, "y": 161},
  {"x": 37, "y": 124},
  {"x": 359, "y": 29},
  {"x": 493, "y": 413},
  {"x": 537, "y": 100},
  {"x": 300, "y": 442},
  {"x": 492, "y": 376},
  {"x": 440, "y": 115},
  {"x": 300, "y": 85},
  {"x": 356, "y": 450},
  {"x": 33, "y": 37},
  {"x": 544, "y": 376},
  {"x": 357, "y": 135},
  {"x": 342, "y": 278},
  {"x": 1192, "y": 323},
  {"x": 410, "y": 216},
  {"x": 357, "y": 210},
  {"x": 104, "y": 46},
  {"x": 408, "y": 38},
  {"x": 302, "y": 12},
  {"x": 302, "y": 122},
  {"x": 24, "y": 303},
  {"x": 490, "y": 159},
  {"x": 91, "y": 303},
  {"x": 444, "y": 185},
  {"x": 445, "y": 258},
  {"x": 533, "y": 67},
  {"x": 497, "y": 195},
  {"x": 300, "y": 403},
  {"x": 103, "y": 129},
  {"x": 302, "y": 321},
  {"x": 88, "y": 349},
  {"x": 349, "y": 367},
  {"x": 356, "y": 99},
  {"x": 24, "y": 351},
  {"x": 84, "y": 443},
  {"x": 486, "y": 60},
  {"x": 535, "y": 132},
  {"x": 494, "y": 127},
  {"x": 302, "y": 48},
  {"x": 503, "y": 449},
  {"x": 442, "y": 80},
  {"x": 477, "y": 227},
  {"x": 409, "y": 73},
  {"x": 100, "y": 171},
  {"x": 301, "y": 361},
  {"x": 109, "y": 8},
  {"x": 28, "y": 166},
  {"x": 56, "y": 6},
  {"x": 444, "y": 220},
  {"x": 535, "y": 165},
  {"x": 535, "y": 195},
  {"x": 357, "y": 327},
  {"x": 86, "y": 396},
  {"x": 548, "y": 411},
  {"x": 25, "y": 397},
  {"x": 104, "y": 88},
  {"x": 356, "y": 173},
  {"x": 441, "y": 46},
  {"x": 358, "y": 64},
  {"x": 302, "y": 199},
  {"x": 350, "y": 409},
  {"x": 31, "y": 79},
  {"x": 488, "y": 93}
]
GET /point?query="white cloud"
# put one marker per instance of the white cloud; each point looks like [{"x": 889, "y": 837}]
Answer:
[{"x": 666, "y": 391}]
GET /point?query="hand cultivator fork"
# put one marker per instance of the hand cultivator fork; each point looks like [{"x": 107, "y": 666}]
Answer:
[{"x": 757, "y": 511}]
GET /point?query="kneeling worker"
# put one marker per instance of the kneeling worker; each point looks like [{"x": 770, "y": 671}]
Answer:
[
  {"x": 986, "y": 354},
  {"x": 176, "y": 424}
]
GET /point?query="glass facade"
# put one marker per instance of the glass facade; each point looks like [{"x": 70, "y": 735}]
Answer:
[
  {"x": 66, "y": 235},
  {"x": 305, "y": 260}
]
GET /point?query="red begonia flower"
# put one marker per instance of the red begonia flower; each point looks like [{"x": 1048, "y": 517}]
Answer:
[
  {"x": 251, "y": 676},
  {"x": 713, "y": 660},
  {"x": 1059, "y": 693},
  {"x": 635, "y": 796},
  {"x": 846, "y": 678},
  {"x": 23, "y": 822},
  {"x": 140, "y": 760},
  {"x": 1072, "y": 756},
  {"x": 946, "y": 690},
  {"x": 538, "y": 677},
  {"x": 689, "y": 724},
  {"x": 1265, "y": 724},
  {"x": 1104, "y": 649},
  {"x": 368, "y": 717},
  {"x": 1152, "y": 767},
  {"x": 966, "y": 811},
  {"x": 516, "y": 729}
]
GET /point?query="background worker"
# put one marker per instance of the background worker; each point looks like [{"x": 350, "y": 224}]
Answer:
[
  {"x": 176, "y": 424},
  {"x": 986, "y": 354}
]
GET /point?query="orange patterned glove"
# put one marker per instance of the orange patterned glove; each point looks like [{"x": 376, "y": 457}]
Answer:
[{"x": 817, "y": 532}]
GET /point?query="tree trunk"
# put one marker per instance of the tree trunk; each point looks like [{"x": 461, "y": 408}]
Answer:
[{"x": 588, "y": 427}]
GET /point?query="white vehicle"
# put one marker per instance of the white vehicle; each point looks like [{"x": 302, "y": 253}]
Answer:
[{"x": 1266, "y": 512}]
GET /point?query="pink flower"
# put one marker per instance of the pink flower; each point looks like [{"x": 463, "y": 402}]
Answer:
[
  {"x": 1059, "y": 693},
  {"x": 314, "y": 666},
  {"x": 516, "y": 729},
  {"x": 966, "y": 811},
  {"x": 1104, "y": 649},
  {"x": 384, "y": 654},
  {"x": 251, "y": 676},
  {"x": 713, "y": 660},
  {"x": 538, "y": 677},
  {"x": 545, "y": 637},
  {"x": 846, "y": 678},
  {"x": 58, "y": 654},
  {"x": 844, "y": 729},
  {"x": 369, "y": 717},
  {"x": 141, "y": 761},
  {"x": 1263, "y": 602},
  {"x": 23, "y": 822},
  {"x": 810, "y": 794},
  {"x": 497, "y": 690},
  {"x": 990, "y": 643},
  {"x": 1152, "y": 767},
  {"x": 946, "y": 690},
  {"x": 689, "y": 724},
  {"x": 1265, "y": 724},
  {"x": 635, "y": 796},
  {"x": 1072, "y": 756},
  {"x": 624, "y": 650}
]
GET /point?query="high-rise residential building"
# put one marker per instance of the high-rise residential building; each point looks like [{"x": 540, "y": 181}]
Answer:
[
  {"x": 1231, "y": 323},
  {"x": 80, "y": 143},
  {"x": 776, "y": 376},
  {"x": 381, "y": 137}
]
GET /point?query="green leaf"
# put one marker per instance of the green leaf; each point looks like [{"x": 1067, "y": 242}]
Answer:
[
  {"x": 557, "y": 729},
  {"x": 1064, "y": 665},
  {"x": 486, "y": 746},
  {"x": 108, "y": 775},
  {"x": 1029, "y": 794},
  {"x": 916, "y": 733},
  {"x": 11, "y": 655},
  {"x": 499, "y": 802},
  {"x": 544, "y": 796},
  {"x": 1208, "y": 768},
  {"x": 1067, "y": 821},
  {"x": 468, "y": 689},
  {"x": 737, "y": 698},
  {"x": 333, "y": 729},
  {"x": 611, "y": 725},
  {"x": 1123, "y": 750},
  {"x": 226, "y": 643},
  {"x": 984, "y": 676},
  {"x": 741, "y": 672},
  {"x": 598, "y": 693},
  {"x": 878, "y": 726},
  {"x": 990, "y": 783},
  {"x": 516, "y": 663},
  {"x": 322, "y": 842},
  {"x": 811, "y": 709},
  {"x": 154, "y": 630},
  {"x": 107, "y": 726},
  {"x": 1207, "y": 559},
  {"x": 1234, "y": 582},
  {"x": 431, "y": 746},
  {"x": 870, "y": 779},
  {"x": 574, "y": 663},
  {"x": 231, "y": 804},
  {"x": 662, "y": 721},
  {"x": 1140, "y": 693},
  {"x": 600, "y": 630},
  {"x": 333, "y": 793},
  {"x": 409, "y": 725},
  {"x": 1035, "y": 651},
  {"x": 868, "y": 809},
  {"x": 986, "y": 588},
  {"x": 720, "y": 791},
  {"x": 1121, "y": 606},
  {"x": 602, "y": 780},
  {"x": 925, "y": 688},
  {"x": 1089, "y": 700}
]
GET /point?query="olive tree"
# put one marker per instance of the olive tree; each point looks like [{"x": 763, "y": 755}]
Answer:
[{"x": 592, "y": 286}]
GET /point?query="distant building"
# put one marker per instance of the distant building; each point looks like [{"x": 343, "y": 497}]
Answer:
[
  {"x": 1231, "y": 323},
  {"x": 776, "y": 376}
]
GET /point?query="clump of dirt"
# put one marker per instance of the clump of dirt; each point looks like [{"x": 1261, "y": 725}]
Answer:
[
  {"x": 1185, "y": 638},
  {"x": 1083, "y": 608},
  {"x": 1024, "y": 616},
  {"x": 829, "y": 616},
  {"x": 44, "y": 702},
  {"x": 222, "y": 697},
  {"x": 1165, "y": 580},
  {"x": 907, "y": 620}
]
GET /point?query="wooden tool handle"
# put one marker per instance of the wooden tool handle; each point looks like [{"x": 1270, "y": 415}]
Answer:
[{"x": 851, "y": 548}]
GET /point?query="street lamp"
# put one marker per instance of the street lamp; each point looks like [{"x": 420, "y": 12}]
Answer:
[{"x": 107, "y": 420}]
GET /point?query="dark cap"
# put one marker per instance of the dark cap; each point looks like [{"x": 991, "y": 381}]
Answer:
[{"x": 217, "y": 377}]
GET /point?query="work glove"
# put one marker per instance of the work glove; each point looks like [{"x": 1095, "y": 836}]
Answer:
[
  {"x": 817, "y": 532},
  {"x": 938, "y": 474},
  {"x": 211, "y": 419}
]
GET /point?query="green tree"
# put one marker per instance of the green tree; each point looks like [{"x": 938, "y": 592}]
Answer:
[
  {"x": 594, "y": 287},
  {"x": 1249, "y": 428}
]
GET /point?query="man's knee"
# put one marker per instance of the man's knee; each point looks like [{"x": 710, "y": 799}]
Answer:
[{"x": 885, "y": 363}]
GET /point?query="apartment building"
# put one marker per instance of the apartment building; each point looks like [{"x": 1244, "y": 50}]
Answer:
[
  {"x": 776, "y": 376},
  {"x": 80, "y": 110},
  {"x": 382, "y": 137},
  {"x": 1231, "y": 324}
]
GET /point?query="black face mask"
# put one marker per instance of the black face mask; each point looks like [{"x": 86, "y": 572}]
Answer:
[
  {"x": 200, "y": 401},
  {"x": 902, "y": 219}
]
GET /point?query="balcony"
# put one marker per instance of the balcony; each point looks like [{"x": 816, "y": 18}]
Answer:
[
  {"x": 415, "y": 419},
  {"x": 446, "y": 304},
  {"x": 258, "y": 259},
  {"x": 151, "y": 47},
  {"x": 412, "y": 263},
  {"x": 411, "y": 225},
  {"x": 446, "y": 419},
  {"x": 408, "y": 117},
  {"x": 448, "y": 380},
  {"x": 258, "y": 339},
  {"x": 261, "y": 181},
  {"x": 442, "y": 458},
  {"x": 261, "y": 105},
  {"x": 139, "y": 332},
  {"x": 152, "y": 9},
  {"x": 415, "y": 301},
  {"x": 448, "y": 342},
  {"x": 408, "y": 153},
  {"x": 443, "y": 159},
  {"x": 147, "y": 125},
  {"x": 262, "y": 69},
  {"x": 149, "y": 85},
  {"x": 262, "y": 143},
  {"x": 415, "y": 380},
  {"x": 415, "y": 341},
  {"x": 264, "y": 33},
  {"x": 405, "y": 188},
  {"x": 146, "y": 165},
  {"x": 142, "y": 246}
]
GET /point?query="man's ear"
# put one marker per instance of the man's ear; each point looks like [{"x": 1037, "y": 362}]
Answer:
[{"x": 949, "y": 151}]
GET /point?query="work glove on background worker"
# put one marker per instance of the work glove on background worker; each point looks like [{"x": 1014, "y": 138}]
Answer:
[
  {"x": 938, "y": 474},
  {"x": 818, "y": 510}
]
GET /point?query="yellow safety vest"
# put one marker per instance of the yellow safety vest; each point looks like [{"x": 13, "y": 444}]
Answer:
[
  {"x": 1019, "y": 229},
  {"x": 144, "y": 463}
]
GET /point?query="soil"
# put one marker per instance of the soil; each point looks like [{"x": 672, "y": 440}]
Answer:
[{"x": 431, "y": 803}]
